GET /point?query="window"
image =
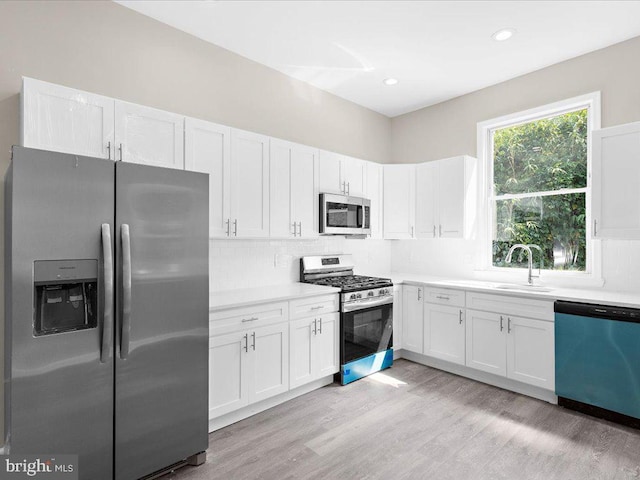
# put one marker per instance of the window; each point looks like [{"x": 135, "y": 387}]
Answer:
[{"x": 538, "y": 165}]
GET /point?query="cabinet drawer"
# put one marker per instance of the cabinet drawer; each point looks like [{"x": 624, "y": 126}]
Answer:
[
  {"x": 232, "y": 320},
  {"x": 508, "y": 305},
  {"x": 444, "y": 296},
  {"x": 305, "y": 307}
]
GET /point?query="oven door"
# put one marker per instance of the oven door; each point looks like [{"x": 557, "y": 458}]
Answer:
[{"x": 367, "y": 328}]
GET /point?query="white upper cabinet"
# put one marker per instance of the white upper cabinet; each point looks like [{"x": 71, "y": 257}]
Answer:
[
  {"x": 446, "y": 197},
  {"x": 249, "y": 208},
  {"x": 374, "y": 176},
  {"x": 71, "y": 121},
  {"x": 616, "y": 175},
  {"x": 149, "y": 136},
  {"x": 66, "y": 120},
  {"x": 341, "y": 174},
  {"x": 399, "y": 201},
  {"x": 293, "y": 190},
  {"x": 207, "y": 150},
  {"x": 426, "y": 200}
]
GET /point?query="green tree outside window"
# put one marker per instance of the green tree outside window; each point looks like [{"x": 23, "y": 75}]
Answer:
[{"x": 540, "y": 186}]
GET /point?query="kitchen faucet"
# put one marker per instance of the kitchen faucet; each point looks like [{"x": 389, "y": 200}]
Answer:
[{"x": 527, "y": 248}]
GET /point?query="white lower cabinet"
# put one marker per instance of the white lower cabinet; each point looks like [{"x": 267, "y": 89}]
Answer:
[
  {"x": 314, "y": 348},
  {"x": 247, "y": 366},
  {"x": 412, "y": 318},
  {"x": 444, "y": 332},
  {"x": 260, "y": 351},
  {"x": 504, "y": 343}
]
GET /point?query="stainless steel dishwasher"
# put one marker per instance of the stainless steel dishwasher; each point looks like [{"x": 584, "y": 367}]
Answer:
[{"x": 598, "y": 360}]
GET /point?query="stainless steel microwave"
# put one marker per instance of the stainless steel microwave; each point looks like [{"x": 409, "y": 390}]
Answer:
[{"x": 344, "y": 215}]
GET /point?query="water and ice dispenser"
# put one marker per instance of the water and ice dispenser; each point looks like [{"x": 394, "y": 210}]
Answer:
[{"x": 65, "y": 295}]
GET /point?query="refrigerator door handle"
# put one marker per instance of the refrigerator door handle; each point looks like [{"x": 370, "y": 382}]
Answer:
[
  {"x": 107, "y": 269},
  {"x": 126, "y": 291}
]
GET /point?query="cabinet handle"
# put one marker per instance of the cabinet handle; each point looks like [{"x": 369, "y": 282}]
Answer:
[
  {"x": 508, "y": 324},
  {"x": 109, "y": 150},
  {"x": 252, "y": 319},
  {"x": 299, "y": 229},
  {"x": 412, "y": 230},
  {"x": 235, "y": 227},
  {"x": 253, "y": 336},
  {"x": 344, "y": 188},
  {"x": 318, "y": 307},
  {"x": 348, "y": 188},
  {"x": 442, "y": 297},
  {"x": 315, "y": 326},
  {"x": 294, "y": 229},
  {"x": 440, "y": 230},
  {"x": 419, "y": 293},
  {"x": 501, "y": 326},
  {"x": 320, "y": 331},
  {"x": 228, "y": 222},
  {"x": 246, "y": 342},
  {"x": 120, "y": 150},
  {"x": 595, "y": 227},
  {"x": 460, "y": 317},
  {"x": 434, "y": 230}
]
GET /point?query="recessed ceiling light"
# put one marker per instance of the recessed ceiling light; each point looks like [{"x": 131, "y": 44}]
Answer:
[
  {"x": 503, "y": 34},
  {"x": 390, "y": 81}
]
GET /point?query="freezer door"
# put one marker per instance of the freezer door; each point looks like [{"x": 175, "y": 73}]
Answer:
[
  {"x": 58, "y": 386},
  {"x": 162, "y": 329}
]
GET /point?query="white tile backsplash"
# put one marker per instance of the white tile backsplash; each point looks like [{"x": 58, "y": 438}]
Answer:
[{"x": 255, "y": 263}]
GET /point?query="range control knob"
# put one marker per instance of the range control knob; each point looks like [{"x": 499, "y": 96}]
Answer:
[
  {"x": 383, "y": 291},
  {"x": 358, "y": 295},
  {"x": 352, "y": 296},
  {"x": 370, "y": 294}
]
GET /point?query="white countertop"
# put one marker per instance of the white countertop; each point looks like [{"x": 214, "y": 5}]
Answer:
[
  {"x": 243, "y": 297},
  {"x": 622, "y": 299}
]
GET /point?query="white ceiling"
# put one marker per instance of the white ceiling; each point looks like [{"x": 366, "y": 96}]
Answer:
[{"x": 436, "y": 49}]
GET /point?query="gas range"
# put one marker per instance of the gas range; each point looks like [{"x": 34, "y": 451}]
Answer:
[
  {"x": 337, "y": 271},
  {"x": 366, "y": 314}
]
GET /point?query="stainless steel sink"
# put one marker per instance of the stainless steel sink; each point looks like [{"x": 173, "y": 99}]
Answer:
[{"x": 522, "y": 287}]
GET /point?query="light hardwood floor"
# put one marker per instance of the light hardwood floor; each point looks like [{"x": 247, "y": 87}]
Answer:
[{"x": 416, "y": 422}]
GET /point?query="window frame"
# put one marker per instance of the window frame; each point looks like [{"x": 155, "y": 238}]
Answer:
[{"x": 591, "y": 102}]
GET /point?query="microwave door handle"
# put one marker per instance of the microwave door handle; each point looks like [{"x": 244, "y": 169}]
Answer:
[
  {"x": 107, "y": 270},
  {"x": 126, "y": 291}
]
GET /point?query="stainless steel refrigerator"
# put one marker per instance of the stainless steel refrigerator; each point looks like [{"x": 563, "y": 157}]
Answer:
[{"x": 106, "y": 322}]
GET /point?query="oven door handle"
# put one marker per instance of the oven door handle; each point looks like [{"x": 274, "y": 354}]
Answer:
[{"x": 362, "y": 304}]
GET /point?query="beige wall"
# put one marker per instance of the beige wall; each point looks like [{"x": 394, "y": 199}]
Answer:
[
  {"x": 449, "y": 128},
  {"x": 105, "y": 48}
]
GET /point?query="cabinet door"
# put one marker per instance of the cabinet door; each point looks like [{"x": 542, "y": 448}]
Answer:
[
  {"x": 269, "y": 348},
  {"x": 374, "y": 194},
  {"x": 149, "y": 136},
  {"x": 207, "y": 150},
  {"x": 301, "y": 333},
  {"x": 616, "y": 173},
  {"x": 412, "y": 318},
  {"x": 399, "y": 201},
  {"x": 66, "y": 120},
  {"x": 426, "y": 200},
  {"x": 280, "y": 181},
  {"x": 249, "y": 184},
  {"x": 444, "y": 332},
  {"x": 353, "y": 173},
  {"x": 451, "y": 197},
  {"x": 326, "y": 345},
  {"x": 486, "y": 341},
  {"x": 330, "y": 173},
  {"x": 531, "y": 351},
  {"x": 304, "y": 190},
  {"x": 228, "y": 381}
]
